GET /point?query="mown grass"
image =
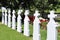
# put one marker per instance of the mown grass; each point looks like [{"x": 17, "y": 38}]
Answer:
[{"x": 7, "y": 33}]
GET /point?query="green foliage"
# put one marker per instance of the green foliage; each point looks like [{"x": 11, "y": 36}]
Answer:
[{"x": 41, "y": 5}]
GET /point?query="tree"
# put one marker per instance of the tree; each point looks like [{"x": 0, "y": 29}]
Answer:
[{"x": 31, "y": 4}]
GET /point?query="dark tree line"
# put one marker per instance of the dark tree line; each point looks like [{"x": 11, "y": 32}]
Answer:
[{"x": 31, "y": 4}]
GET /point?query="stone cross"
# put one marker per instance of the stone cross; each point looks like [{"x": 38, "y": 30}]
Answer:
[
  {"x": 13, "y": 20},
  {"x": 9, "y": 17},
  {"x": 6, "y": 22},
  {"x": 26, "y": 23},
  {"x": 36, "y": 26},
  {"x": 3, "y": 10},
  {"x": 19, "y": 27},
  {"x": 51, "y": 27}
]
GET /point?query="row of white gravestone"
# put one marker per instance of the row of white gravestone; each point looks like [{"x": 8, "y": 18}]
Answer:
[
  {"x": 51, "y": 26},
  {"x": 6, "y": 17}
]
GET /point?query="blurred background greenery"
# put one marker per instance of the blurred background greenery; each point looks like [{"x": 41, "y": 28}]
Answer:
[{"x": 41, "y": 5}]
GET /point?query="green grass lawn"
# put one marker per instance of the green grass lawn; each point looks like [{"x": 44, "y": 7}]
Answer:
[{"x": 9, "y": 34}]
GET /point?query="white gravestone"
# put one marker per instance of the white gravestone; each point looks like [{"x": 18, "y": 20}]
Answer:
[
  {"x": 19, "y": 27},
  {"x": 26, "y": 24},
  {"x": 6, "y": 17},
  {"x": 3, "y": 10},
  {"x": 51, "y": 27},
  {"x": 36, "y": 26},
  {"x": 9, "y": 18},
  {"x": 13, "y": 20}
]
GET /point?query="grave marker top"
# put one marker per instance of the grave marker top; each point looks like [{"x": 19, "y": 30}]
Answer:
[
  {"x": 13, "y": 12},
  {"x": 3, "y": 9},
  {"x": 36, "y": 13},
  {"x": 19, "y": 11},
  {"x": 26, "y": 12},
  {"x": 52, "y": 15}
]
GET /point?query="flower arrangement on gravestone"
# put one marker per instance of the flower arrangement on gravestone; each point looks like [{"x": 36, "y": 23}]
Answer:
[{"x": 43, "y": 23}]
